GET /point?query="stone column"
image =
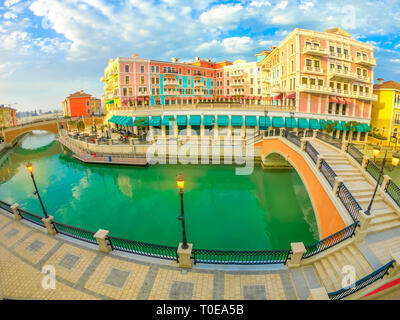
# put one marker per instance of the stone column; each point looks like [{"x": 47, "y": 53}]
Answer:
[
  {"x": 364, "y": 162},
  {"x": 102, "y": 240},
  {"x": 49, "y": 223},
  {"x": 184, "y": 256},
  {"x": 315, "y": 133},
  {"x": 281, "y": 132},
  {"x": 303, "y": 144},
  {"x": 336, "y": 185},
  {"x": 298, "y": 249},
  {"x": 362, "y": 230},
  {"x": 386, "y": 180},
  {"x": 318, "y": 294},
  {"x": 17, "y": 213},
  {"x": 345, "y": 144}
]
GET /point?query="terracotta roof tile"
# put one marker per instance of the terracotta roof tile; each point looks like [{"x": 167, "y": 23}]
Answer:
[{"x": 391, "y": 84}]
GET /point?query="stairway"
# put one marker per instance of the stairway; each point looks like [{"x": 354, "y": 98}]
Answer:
[
  {"x": 385, "y": 217},
  {"x": 329, "y": 269}
]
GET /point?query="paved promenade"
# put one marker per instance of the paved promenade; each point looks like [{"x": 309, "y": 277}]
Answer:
[{"x": 85, "y": 273}]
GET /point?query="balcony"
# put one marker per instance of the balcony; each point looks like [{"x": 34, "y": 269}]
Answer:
[
  {"x": 171, "y": 93},
  {"x": 278, "y": 88},
  {"x": 237, "y": 84},
  {"x": 171, "y": 82},
  {"x": 365, "y": 61},
  {"x": 238, "y": 74},
  {"x": 198, "y": 83},
  {"x": 315, "y": 50},
  {"x": 365, "y": 96},
  {"x": 335, "y": 73},
  {"x": 340, "y": 56},
  {"x": 362, "y": 78},
  {"x": 171, "y": 72},
  {"x": 310, "y": 69},
  {"x": 313, "y": 88}
]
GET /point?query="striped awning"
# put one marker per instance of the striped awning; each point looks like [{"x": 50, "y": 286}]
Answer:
[
  {"x": 166, "y": 120},
  {"x": 290, "y": 122},
  {"x": 141, "y": 121},
  {"x": 155, "y": 121},
  {"x": 314, "y": 124},
  {"x": 110, "y": 102},
  {"x": 323, "y": 124}
]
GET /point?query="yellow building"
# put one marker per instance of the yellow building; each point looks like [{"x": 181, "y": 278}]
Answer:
[
  {"x": 8, "y": 117},
  {"x": 111, "y": 98},
  {"x": 385, "y": 114}
]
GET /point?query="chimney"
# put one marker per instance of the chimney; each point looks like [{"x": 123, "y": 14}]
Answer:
[
  {"x": 380, "y": 80},
  {"x": 175, "y": 60}
]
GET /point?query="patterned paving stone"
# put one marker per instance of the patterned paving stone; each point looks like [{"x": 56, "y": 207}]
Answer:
[
  {"x": 11, "y": 233},
  {"x": 117, "y": 278},
  {"x": 35, "y": 245},
  {"x": 300, "y": 283},
  {"x": 69, "y": 261},
  {"x": 181, "y": 290},
  {"x": 254, "y": 292}
]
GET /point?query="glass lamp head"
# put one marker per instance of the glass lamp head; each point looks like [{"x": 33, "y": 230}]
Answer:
[
  {"x": 395, "y": 159},
  {"x": 29, "y": 166},
  {"x": 180, "y": 181},
  {"x": 376, "y": 150}
]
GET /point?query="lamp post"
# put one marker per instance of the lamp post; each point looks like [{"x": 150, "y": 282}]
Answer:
[
  {"x": 180, "y": 181},
  {"x": 395, "y": 161},
  {"x": 291, "y": 119},
  {"x": 94, "y": 125},
  {"x": 30, "y": 169}
]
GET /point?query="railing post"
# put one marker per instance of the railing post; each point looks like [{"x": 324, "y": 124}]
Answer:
[
  {"x": 337, "y": 184},
  {"x": 393, "y": 272},
  {"x": 185, "y": 255},
  {"x": 303, "y": 144},
  {"x": 281, "y": 131},
  {"x": 298, "y": 249},
  {"x": 385, "y": 182},
  {"x": 103, "y": 241},
  {"x": 362, "y": 230},
  {"x": 49, "y": 223},
  {"x": 345, "y": 145},
  {"x": 17, "y": 213},
  {"x": 110, "y": 142},
  {"x": 315, "y": 133},
  {"x": 364, "y": 162},
  {"x": 318, "y": 294},
  {"x": 320, "y": 158}
]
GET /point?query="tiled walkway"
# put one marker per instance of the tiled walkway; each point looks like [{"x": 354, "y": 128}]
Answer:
[{"x": 85, "y": 273}]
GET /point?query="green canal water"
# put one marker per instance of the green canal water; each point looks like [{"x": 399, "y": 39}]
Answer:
[{"x": 264, "y": 210}]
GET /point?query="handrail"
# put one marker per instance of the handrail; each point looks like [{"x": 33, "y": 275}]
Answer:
[
  {"x": 350, "y": 203},
  {"x": 329, "y": 139},
  {"x": 393, "y": 191},
  {"x": 312, "y": 152},
  {"x": 362, "y": 283},
  {"x": 355, "y": 153},
  {"x": 328, "y": 172},
  {"x": 374, "y": 171}
]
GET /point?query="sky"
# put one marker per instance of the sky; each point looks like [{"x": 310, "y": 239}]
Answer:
[{"x": 51, "y": 48}]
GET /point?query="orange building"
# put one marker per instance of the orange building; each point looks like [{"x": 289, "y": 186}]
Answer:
[{"x": 80, "y": 104}]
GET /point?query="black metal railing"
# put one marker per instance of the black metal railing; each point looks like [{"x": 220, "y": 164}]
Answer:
[
  {"x": 331, "y": 241},
  {"x": 355, "y": 153},
  {"x": 312, "y": 152},
  {"x": 144, "y": 249},
  {"x": 292, "y": 138},
  {"x": 393, "y": 191},
  {"x": 328, "y": 172},
  {"x": 374, "y": 171},
  {"x": 350, "y": 203},
  {"x": 5, "y": 206},
  {"x": 309, "y": 133},
  {"x": 32, "y": 217},
  {"x": 75, "y": 232},
  {"x": 362, "y": 283},
  {"x": 329, "y": 139},
  {"x": 240, "y": 257}
]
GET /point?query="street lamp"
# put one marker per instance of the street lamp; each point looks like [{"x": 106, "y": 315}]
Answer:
[
  {"x": 395, "y": 161},
  {"x": 94, "y": 125},
  {"x": 30, "y": 169},
  {"x": 180, "y": 182}
]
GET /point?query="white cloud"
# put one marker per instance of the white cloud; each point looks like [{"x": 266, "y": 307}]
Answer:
[
  {"x": 238, "y": 45},
  {"x": 9, "y": 16},
  {"x": 223, "y": 16},
  {"x": 9, "y": 3},
  {"x": 395, "y": 60},
  {"x": 282, "y": 5}
]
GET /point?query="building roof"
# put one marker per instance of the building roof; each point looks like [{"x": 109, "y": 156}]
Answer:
[
  {"x": 79, "y": 94},
  {"x": 391, "y": 84}
]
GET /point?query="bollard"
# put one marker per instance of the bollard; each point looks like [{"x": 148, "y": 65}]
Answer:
[
  {"x": 362, "y": 230},
  {"x": 184, "y": 256},
  {"x": 298, "y": 249},
  {"x": 49, "y": 223},
  {"x": 15, "y": 210},
  {"x": 102, "y": 240}
]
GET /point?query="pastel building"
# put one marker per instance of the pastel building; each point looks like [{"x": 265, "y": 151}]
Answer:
[
  {"x": 318, "y": 77},
  {"x": 386, "y": 111},
  {"x": 8, "y": 117},
  {"x": 81, "y": 104}
]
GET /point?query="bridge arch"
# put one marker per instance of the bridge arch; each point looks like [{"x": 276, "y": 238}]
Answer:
[
  {"x": 328, "y": 217},
  {"x": 10, "y": 134}
]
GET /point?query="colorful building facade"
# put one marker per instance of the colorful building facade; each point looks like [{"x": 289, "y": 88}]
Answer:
[
  {"x": 386, "y": 111},
  {"x": 317, "y": 76},
  {"x": 8, "y": 117},
  {"x": 80, "y": 104}
]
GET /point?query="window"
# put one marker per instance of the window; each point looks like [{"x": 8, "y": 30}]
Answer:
[
  {"x": 312, "y": 82},
  {"x": 188, "y": 71},
  {"x": 364, "y": 73},
  {"x": 124, "y": 92},
  {"x": 227, "y": 82},
  {"x": 180, "y": 70},
  {"x": 251, "y": 80},
  {"x": 346, "y": 52},
  {"x": 141, "y": 69},
  {"x": 127, "y": 68},
  {"x": 164, "y": 69},
  {"x": 141, "y": 79},
  {"x": 339, "y": 50},
  {"x": 332, "y": 49},
  {"x": 157, "y": 69},
  {"x": 152, "y": 69},
  {"x": 130, "y": 92},
  {"x": 308, "y": 43},
  {"x": 321, "y": 82},
  {"x": 127, "y": 80},
  {"x": 303, "y": 80},
  {"x": 308, "y": 62},
  {"x": 316, "y": 64}
]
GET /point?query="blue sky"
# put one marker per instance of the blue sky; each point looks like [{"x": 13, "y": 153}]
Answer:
[{"x": 51, "y": 48}]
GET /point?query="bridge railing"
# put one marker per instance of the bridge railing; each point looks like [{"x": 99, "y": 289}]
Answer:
[
  {"x": 328, "y": 172},
  {"x": 350, "y": 203}
]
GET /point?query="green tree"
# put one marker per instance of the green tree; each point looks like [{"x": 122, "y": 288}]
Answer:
[{"x": 80, "y": 125}]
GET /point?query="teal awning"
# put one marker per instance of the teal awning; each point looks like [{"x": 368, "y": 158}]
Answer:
[
  {"x": 251, "y": 121},
  {"x": 345, "y": 128},
  {"x": 303, "y": 123},
  {"x": 112, "y": 119},
  {"x": 339, "y": 126},
  {"x": 265, "y": 123},
  {"x": 110, "y": 102},
  {"x": 223, "y": 121},
  {"x": 237, "y": 121},
  {"x": 118, "y": 120},
  {"x": 126, "y": 120},
  {"x": 360, "y": 128},
  {"x": 195, "y": 120},
  {"x": 314, "y": 124},
  {"x": 290, "y": 122},
  {"x": 323, "y": 124},
  {"x": 155, "y": 121},
  {"x": 166, "y": 120},
  {"x": 181, "y": 120},
  {"x": 141, "y": 121},
  {"x": 208, "y": 120},
  {"x": 367, "y": 127},
  {"x": 278, "y": 122}
]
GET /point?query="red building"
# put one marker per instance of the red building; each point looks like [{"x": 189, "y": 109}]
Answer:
[{"x": 79, "y": 104}]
